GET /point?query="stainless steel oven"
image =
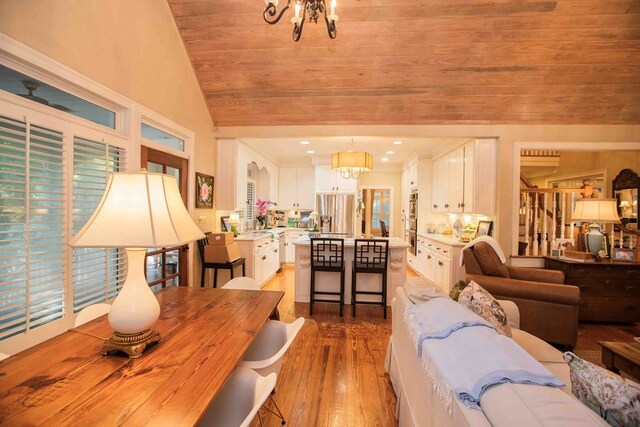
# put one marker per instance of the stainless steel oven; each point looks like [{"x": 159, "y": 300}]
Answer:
[
  {"x": 413, "y": 205},
  {"x": 413, "y": 241},
  {"x": 412, "y": 221}
]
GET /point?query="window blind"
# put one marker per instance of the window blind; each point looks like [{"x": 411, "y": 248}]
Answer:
[
  {"x": 251, "y": 200},
  {"x": 32, "y": 226},
  {"x": 98, "y": 273}
]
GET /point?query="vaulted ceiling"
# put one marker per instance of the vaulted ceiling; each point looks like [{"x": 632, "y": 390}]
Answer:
[{"x": 419, "y": 62}]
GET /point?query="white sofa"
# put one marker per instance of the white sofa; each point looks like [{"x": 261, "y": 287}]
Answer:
[{"x": 502, "y": 405}]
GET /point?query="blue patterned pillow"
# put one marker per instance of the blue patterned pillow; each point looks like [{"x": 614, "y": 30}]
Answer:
[{"x": 614, "y": 398}]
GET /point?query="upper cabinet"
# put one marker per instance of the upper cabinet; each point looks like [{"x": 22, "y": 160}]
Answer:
[
  {"x": 296, "y": 189},
  {"x": 464, "y": 180},
  {"x": 233, "y": 166},
  {"x": 330, "y": 181}
]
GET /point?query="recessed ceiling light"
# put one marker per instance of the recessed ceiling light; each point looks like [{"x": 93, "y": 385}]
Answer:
[
  {"x": 397, "y": 142},
  {"x": 384, "y": 159},
  {"x": 304, "y": 142},
  {"x": 310, "y": 152},
  {"x": 390, "y": 152}
]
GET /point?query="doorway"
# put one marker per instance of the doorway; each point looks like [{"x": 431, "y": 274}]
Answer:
[
  {"x": 376, "y": 220},
  {"x": 167, "y": 266}
]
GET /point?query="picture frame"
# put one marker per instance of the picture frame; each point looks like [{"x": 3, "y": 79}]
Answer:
[
  {"x": 624, "y": 254},
  {"x": 484, "y": 228},
  {"x": 204, "y": 191},
  {"x": 224, "y": 223}
]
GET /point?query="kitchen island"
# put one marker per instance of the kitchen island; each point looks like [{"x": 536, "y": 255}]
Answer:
[{"x": 396, "y": 272}]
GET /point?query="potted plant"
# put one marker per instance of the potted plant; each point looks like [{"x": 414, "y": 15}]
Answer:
[{"x": 261, "y": 216}]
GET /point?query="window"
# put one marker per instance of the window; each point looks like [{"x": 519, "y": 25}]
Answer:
[
  {"x": 39, "y": 285},
  {"x": 162, "y": 137},
  {"x": 380, "y": 208},
  {"x": 32, "y": 227},
  {"x": 42, "y": 93},
  {"x": 98, "y": 273}
]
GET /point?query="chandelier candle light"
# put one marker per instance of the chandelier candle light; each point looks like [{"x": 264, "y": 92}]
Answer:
[
  {"x": 312, "y": 8},
  {"x": 137, "y": 211}
]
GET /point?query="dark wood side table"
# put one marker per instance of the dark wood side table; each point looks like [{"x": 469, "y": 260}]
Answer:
[
  {"x": 609, "y": 290},
  {"x": 621, "y": 356}
]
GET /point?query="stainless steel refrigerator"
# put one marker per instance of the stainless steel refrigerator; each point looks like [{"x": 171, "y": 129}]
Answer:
[{"x": 336, "y": 212}]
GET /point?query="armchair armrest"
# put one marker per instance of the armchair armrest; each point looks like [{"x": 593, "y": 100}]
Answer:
[
  {"x": 525, "y": 289},
  {"x": 536, "y": 274},
  {"x": 513, "y": 314}
]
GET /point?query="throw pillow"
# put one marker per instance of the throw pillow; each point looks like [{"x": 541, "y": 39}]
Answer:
[
  {"x": 614, "y": 398},
  {"x": 420, "y": 290},
  {"x": 489, "y": 261},
  {"x": 454, "y": 294},
  {"x": 482, "y": 303}
]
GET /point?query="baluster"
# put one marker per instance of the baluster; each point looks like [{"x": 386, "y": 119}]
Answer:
[
  {"x": 554, "y": 205},
  {"x": 536, "y": 212},
  {"x": 527, "y": 220},
  {"x": 563, "y": 213},
  {"x": 544, "y": 233}
]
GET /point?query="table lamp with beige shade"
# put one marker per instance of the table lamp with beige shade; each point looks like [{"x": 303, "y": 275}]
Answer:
[
  {"x": 595, "y": 211},
  {"x": 137, "y": 211}
]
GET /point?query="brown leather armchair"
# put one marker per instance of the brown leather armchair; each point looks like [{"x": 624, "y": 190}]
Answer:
[{"x": 548, "y": 307}]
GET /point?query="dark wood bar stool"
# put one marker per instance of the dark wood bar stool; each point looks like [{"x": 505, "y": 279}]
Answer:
[
  {"x": 370, "y": 256},
  {"x": 217, "y": 265},
  {"x": 327, "y": 254}
]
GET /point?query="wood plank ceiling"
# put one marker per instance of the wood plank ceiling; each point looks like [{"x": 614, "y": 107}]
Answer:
[{"x": 419, "y": 62}]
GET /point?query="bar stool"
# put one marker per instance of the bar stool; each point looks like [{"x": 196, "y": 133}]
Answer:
[
  {"x": 370, "y": 256},
  {"x": 217, "y": 265},
  {"x": 327, "y": 254}
]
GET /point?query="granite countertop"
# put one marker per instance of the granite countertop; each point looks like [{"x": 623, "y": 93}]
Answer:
[
  {"x": 394, "y": 242},
  {"x": 450, "y": 240}
]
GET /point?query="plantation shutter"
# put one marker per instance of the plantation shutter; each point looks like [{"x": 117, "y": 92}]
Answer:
[
  {"x": 32, "y": 226},
  {"x": 98, "y": 273}
]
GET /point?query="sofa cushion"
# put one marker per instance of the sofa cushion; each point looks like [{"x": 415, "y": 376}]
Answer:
[
  {"x": 616, "y": 399},
  {"x": 482, "y": 303},
  {"x": 489, "y": 261},
  {"x": 455, "y": 291},
  {"x": 419, "y": 290}
]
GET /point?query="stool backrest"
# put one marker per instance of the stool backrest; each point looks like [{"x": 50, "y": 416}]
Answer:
[
  {"x": 371, "y": 253},
  {"x": 383, "y": 229},
  {"x": 201, "y": 244},
  {"x": 327, "y": 252}
]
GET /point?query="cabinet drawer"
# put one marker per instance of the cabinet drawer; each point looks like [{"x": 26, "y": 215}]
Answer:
[
  {"x": 610, "y": 309},
  {"x": 603, "y": 270},
  {"x": 606, "y": 287}
]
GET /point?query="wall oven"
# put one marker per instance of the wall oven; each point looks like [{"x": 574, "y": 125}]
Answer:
[
  {"x": 412, "y": 240},
  {"x": 412, "y": 222}
]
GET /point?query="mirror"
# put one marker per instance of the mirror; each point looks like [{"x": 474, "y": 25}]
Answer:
[{"x": 626, "y": 187}]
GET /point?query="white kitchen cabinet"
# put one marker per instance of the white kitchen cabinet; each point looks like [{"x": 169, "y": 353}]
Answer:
[
  {"x": 412, "y": 175},
  {"x": 438, "y": 260},
  {"x": 262, "y": 258},
  {"x": 291, "y": 235},
  {"x": 296, "y": 188},
  {"x": 331, "y": 181},
  {"x": 464, "y": 179}
]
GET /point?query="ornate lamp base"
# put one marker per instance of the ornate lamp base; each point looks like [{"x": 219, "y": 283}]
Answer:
[{"x": 131, "y": 344}]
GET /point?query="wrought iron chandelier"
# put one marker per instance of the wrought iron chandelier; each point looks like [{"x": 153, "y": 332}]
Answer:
[{"x": 312, "y": 8}]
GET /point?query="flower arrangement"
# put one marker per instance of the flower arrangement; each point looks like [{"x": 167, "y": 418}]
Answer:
[{"x": 262, "y": 206}]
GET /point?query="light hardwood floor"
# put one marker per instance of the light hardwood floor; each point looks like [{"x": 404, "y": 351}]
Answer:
[{"x": 334, "y": 373}]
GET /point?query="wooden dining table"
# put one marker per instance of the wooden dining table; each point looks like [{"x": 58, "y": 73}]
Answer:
[{"x": 67, "y": 381}]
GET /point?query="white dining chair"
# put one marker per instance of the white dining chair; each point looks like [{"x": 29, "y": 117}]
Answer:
[
  {"x": 91, "y": 312},
  {"x": 240, "y": 399},
  {"x": 268, "y": 348},
  {"x": 4, "y": 356},
  {"x": 246, "y": 283}
]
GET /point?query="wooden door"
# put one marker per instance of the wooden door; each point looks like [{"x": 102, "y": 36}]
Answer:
[{"x": 167, "y": 266}]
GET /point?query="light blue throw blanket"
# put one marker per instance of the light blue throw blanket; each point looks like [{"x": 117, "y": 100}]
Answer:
[{"x": 462, "y": 354}]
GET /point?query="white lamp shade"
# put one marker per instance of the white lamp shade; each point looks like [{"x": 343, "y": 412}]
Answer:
[
  {"x": 139, "y": 210},
  {"x": 596, "y": 210},
  {"x": 361, "y": 161}
]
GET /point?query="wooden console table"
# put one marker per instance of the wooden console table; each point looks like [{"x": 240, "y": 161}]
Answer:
[
  {"x": 609, "y": 290},
  {"x": 66, "y": 381}
]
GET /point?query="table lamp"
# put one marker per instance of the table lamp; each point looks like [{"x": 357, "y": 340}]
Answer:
[
  {"x": 624, "y": 205},
  {"x": 595, "y": 211},
  {"x": 137, "y": 211}
]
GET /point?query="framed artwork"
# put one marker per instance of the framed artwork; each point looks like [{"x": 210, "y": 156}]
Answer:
[
  {"x": 484, "y": 228},
  {"x": 224, "y": 223},
  {"x": 623, "y": 254},
  {"x": 204, "y": 191}
]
